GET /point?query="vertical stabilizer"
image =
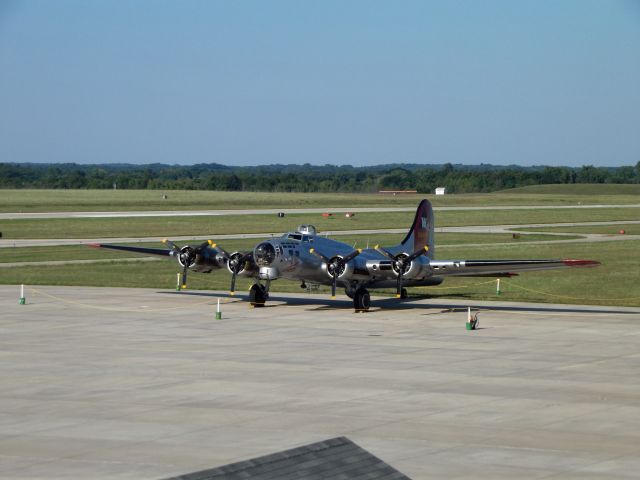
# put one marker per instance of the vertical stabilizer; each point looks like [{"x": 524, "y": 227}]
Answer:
[{"x": 421, "y": 232}]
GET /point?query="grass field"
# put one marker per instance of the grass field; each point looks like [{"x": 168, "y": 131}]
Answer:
[
  {"x": 577, "y": 189},
  {"x": 616, "y": 282},
  {"x": 115, "y": 200},
  {"x": 630, "y": 229},
  {"x": 220, "y": 225}
]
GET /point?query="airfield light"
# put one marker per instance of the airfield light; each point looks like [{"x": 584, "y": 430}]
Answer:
[{"x": 218, "y": 312}]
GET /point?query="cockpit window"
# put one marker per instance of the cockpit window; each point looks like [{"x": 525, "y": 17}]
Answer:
[{"x": 295, "y": 236}]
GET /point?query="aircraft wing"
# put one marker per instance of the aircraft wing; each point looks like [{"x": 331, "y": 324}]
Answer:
[
  {"x": 484, "y": 268},
  {"x": 147, "y": 251}
]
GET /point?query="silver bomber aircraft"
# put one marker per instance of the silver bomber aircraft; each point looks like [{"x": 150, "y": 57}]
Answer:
[{"x": 305, "y": 256}]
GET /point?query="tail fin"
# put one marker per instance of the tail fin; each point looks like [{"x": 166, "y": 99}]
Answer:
[{"x": 421, "y": 233}]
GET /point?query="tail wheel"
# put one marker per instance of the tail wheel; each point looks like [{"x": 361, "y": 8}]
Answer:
[
  {"x": 257, "y": 295},
  {"x": 361, "y": 300}
]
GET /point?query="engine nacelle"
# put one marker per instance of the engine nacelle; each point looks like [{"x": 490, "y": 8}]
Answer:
[
  {"x": 356, "y": 269},
  {"x": 413, "y": 271},
  {"x": 248, "y": 267},
  {"x": 387, "y": 269},
  {"x": 204, "y": 260}
]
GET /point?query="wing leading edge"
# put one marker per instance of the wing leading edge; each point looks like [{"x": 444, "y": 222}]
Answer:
[{"x": 147, "y": 251}]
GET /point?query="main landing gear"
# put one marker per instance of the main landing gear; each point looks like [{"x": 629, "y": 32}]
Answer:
[
  {"x": 361, "y": 300},
  {"x": 259, "y": 294},
  {"x": 360, "y": 296}
]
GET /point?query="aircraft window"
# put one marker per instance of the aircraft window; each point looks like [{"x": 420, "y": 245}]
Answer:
[
  {"x": 295, "y": 236},
  {"x": 305, "y": 238}
]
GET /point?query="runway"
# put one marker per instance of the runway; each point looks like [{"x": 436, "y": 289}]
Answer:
[{"x": 141, "y": 383}]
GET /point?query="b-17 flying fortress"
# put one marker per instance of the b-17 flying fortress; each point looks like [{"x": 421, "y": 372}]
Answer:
[{"x": 307, "y": 257}]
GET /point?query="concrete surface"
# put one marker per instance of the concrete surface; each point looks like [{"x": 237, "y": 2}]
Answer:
[{"x": 135, "y": 383}]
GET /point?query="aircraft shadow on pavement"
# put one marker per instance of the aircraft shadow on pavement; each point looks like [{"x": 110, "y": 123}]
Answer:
[
  {"x": 320, "y": 302},
  {"x": 515, "y": 308}
]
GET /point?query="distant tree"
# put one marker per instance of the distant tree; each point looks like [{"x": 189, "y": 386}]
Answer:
[{"x": 591, "y": 174}]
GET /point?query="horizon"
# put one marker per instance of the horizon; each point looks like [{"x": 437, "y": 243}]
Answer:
[
  {"x": 362, "y": 84},
  {"x": 477, "y": 166}
]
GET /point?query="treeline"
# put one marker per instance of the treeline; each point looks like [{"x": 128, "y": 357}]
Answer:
[{"x": 305, "y": 178}]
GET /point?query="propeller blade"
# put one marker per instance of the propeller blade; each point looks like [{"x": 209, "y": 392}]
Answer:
[
  {"x": 352, "y": 255},
  {"x": 333, "y": 285},
  {"x": 171, "y": 245},
  {"x": 417, "y": 253},
  {"x": 224, "y": 253},
  {"x": 184, "y": 277},
  {"x": 232, "y": 290},
  {"x": 319, "y": 255},
  {"x": 384, "y": 252},
  {"x": 399, "y": 284},
  {"x": 203, "y": 245}
]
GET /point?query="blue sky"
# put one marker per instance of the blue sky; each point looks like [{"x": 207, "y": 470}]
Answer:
[{"x": 343, "y": 82}]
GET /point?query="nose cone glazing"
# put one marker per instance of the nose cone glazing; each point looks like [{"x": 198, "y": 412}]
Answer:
[{"x": 264, "y": 254}]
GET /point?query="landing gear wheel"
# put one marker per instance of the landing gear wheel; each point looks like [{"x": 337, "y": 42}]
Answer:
[
  {"x": 361, "y": 300},
  {"x": 403, "y": 293},
  {"x": 257, "y": 295},
  {"x": 349, "y": 292}
]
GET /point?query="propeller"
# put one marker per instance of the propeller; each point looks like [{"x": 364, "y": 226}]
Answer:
[
  {"x": 335, "y": 265},
  {"x": 401, "y": 263},
  {"x": 235, "y": 262},
  {"x": 186, "y": 256}
]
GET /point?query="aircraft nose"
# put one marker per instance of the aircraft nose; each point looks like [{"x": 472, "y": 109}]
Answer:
[{"x": 264, "y": 254}]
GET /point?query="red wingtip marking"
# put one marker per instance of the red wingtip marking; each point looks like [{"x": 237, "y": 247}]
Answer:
[
  {"x": 581, "y": 263},
  {"x": 94, "y": 245}
]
